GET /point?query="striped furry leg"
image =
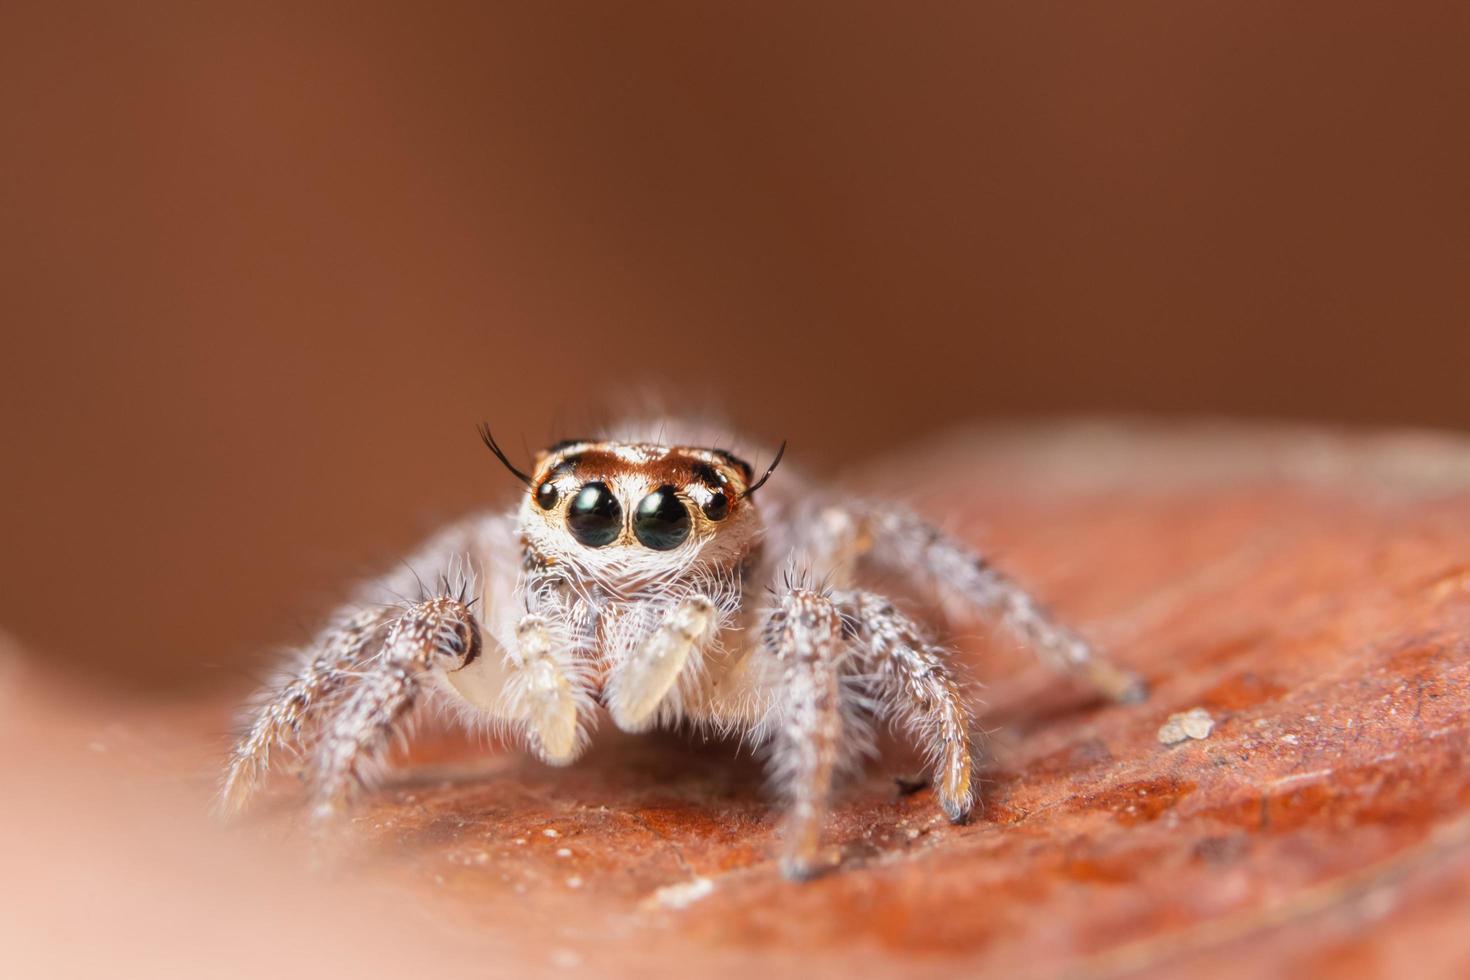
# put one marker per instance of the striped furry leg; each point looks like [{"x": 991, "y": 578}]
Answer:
[
  {"x": 804, "y": 634},
  {"x": 964, "y": 579},
  {"x": 643, "y": 681},
  {"x": 324, "y": 671},
  {"x": 435, "y": 633},
  {"x": 918, "y": 687}
]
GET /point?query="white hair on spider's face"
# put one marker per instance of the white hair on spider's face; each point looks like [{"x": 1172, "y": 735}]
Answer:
[
  {"x": 633, "y": 517},
  {"x": 655, "y": 577}
]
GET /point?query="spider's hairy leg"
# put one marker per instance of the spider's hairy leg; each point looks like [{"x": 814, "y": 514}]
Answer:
[
  {"x": 643, "y": 681},
  {"x": 836, "y": 540},
  {"x": 917, "y": 686},
  {"x": 433, "y": 634},
  {"x": 804, "y": 634},
  {"x": 960, "y": 577},
  {"x": 546, "y": 691},
  {"x": 324, "y": 670}
]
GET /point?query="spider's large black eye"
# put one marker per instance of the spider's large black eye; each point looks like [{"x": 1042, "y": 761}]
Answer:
[
  {"x": 594, "y": 515},
  {"x": 717, "y": 507},
  {"x": 661, "y": 522},
  {"x": 546, "y": 495}
]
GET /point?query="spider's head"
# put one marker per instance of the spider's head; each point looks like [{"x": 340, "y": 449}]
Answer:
[{"x": 636, "y": 509}]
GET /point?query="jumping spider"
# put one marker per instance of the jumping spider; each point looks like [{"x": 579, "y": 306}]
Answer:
[{"x": 642, "y": 578}]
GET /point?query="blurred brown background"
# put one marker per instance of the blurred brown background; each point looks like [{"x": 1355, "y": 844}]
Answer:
[{"x": 262, "y": 269}]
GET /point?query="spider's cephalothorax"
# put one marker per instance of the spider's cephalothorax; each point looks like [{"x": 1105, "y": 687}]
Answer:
[
  {"x": 650, "y": 580},
  {"x": 628, "y": 518}
]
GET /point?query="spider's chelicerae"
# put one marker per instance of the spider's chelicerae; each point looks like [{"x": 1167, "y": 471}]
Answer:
[{"x": 664, "y": 583}]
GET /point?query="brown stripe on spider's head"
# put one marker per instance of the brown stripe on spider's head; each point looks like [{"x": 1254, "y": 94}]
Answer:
[
  {"x": 561, "y": 447},
  {"x": 680, "y": 466}
]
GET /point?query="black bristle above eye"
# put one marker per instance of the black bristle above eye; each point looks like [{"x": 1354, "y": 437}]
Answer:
[
  {"x": 769, "y": 470},
  {"x": 489, "y": 441}
]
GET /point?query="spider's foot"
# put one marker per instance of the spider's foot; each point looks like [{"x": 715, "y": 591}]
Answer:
[
  {"x": 807, "y": 867},
  {"x": 1116, "y": 683}
]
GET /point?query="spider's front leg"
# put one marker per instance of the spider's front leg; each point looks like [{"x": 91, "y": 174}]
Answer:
[
  {"x": 438, "y": 633},
  {"x": 325, "y": 669},
  {"x": 962, "y": 579},
  {"x": 804, "y": 635}
]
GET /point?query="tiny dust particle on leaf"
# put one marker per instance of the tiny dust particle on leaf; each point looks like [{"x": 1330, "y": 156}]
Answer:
[
  {"x": 680, "y": 895},
  {"x": 1194, "y": 723}
]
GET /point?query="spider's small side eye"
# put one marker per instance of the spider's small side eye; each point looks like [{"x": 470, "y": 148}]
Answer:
[
  {"x": 661, "y": 522},
  {"x": 717, "y": 507},
  {"x": 594, "y": 516},
  {"x": 547, "y": 496}
]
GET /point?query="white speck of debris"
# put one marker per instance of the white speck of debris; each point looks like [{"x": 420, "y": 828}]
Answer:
[
  {"x": 563, "y": 852},
  {"x": 521, "y": 841},
  {"x": 566, "y": 959},
  {"x": 684, "y": 894},
  {"x": 550, "y": 832},
  {"x": 1289, "y": 739},
  {"x": 1194, "y": 723},
  {"x": 912, "y": 833},
  {"x": 574, "y": 882}
]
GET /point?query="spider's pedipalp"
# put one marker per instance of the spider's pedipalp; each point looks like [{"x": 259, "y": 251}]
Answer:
[
  {"x": 638, "y": 685},
  {"x": 546, "y": 692}
]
